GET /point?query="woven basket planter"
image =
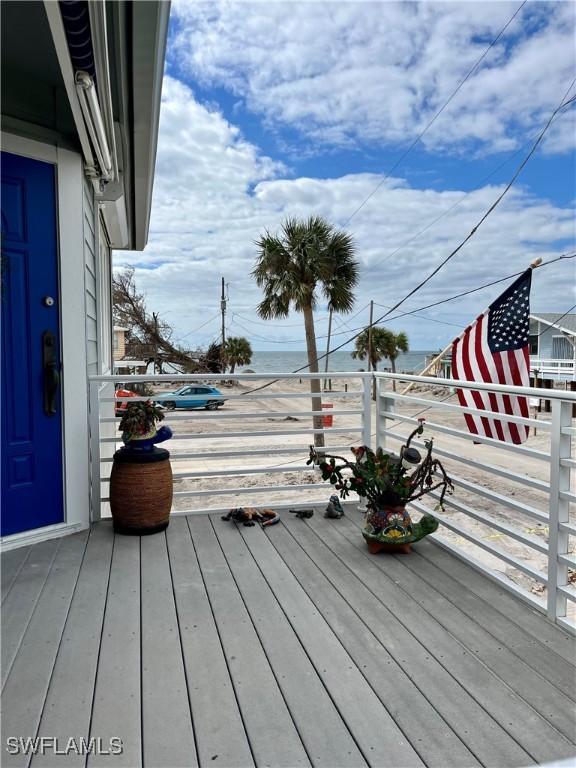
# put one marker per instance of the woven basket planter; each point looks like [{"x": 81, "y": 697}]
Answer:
[{"x": 141, "y": 491}]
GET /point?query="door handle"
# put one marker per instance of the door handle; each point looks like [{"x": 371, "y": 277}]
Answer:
[{"x": 51, "y": 373}]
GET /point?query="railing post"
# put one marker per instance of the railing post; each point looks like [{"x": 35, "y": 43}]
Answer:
[
  {"x": 559, "y": 507},
  {"x": 383, "y": 404},
  {"x": 94, "y": 424},
  {"x": 367, "y": 411}
]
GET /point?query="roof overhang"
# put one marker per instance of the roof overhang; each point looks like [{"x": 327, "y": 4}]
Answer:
[
  {"x": 553, "y": 325},
  {"x": 128, "y": 45}
]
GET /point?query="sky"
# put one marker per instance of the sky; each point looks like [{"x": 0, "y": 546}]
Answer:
[{"x": 276, "y": 109}]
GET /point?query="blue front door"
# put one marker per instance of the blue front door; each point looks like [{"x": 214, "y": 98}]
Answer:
[{"x": 32, "y": 477}]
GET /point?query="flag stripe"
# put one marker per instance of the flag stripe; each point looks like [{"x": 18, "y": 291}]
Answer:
[
  {"x": 464, "y": 395},
  {"x": 473, "y": 374},
  {"x": 487, "y": 374},
  {"x": 494, "y": 349},
  {"x": 493, "y": 378}
]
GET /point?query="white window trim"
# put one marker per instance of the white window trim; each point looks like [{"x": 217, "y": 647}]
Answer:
[
  {"x": 69, "y": 198},
  {"x": 568, "y": 340}
]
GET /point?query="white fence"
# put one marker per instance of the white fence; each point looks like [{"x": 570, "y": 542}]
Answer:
[
  {"x": 563, "y": 369},
  {"x": 509, "y": 515}
]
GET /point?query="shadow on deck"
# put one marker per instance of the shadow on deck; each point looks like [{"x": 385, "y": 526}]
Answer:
[{"x": 213, "y": 645}]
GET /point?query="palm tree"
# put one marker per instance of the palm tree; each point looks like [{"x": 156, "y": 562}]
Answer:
[
  {"x": 306, "y": 256},
  {"x": 238, "y": 352},
  {"x": 376, "y": 354},
  {"x": 395, "y": 343},
  {"x": 385, "y": 344}
]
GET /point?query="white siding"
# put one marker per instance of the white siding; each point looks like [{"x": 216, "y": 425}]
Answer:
[
  {"x": 104, "y": 283},
  {"x": 90, "y": 284}
]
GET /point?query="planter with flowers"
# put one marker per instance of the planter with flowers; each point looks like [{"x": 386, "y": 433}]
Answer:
[
  {"x": 388, "y": 482},
  {"x": 141, "y": 479}
]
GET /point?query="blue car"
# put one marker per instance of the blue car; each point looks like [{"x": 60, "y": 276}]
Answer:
[{"x": 194, "y": 396}]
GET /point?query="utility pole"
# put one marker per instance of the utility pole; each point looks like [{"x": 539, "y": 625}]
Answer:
[
  {"x": 328, "y": 345},
  {"x": 223, "y": 310}
]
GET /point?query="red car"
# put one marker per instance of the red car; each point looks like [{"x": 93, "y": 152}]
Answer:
[{"x": 121, "y": 406}]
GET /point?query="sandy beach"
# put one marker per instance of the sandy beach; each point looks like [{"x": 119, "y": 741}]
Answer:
[{"x": 273, "y": 413}]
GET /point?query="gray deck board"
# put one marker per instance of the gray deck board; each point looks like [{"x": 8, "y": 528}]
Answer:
[
  {"x": 273, "y": 736},
  {"x": 26, "y": 688},
  {"x": 21, "y": 600},
  {"x": 116, "y": 709},
  {"x": 425, "y": 679},
  {"x": 332, "y": 745},
  {"x": 375, "y": 730},
  {"x": 468, "y": 621},
  {"x": 68, "y": 707},
  {"x": 220, "y": 735},
  {"x": 167, "y": 734},
  {"x": 531, "y": 621},
  {"x": 548, "y": 664},
  {"x": 523, "y": 722},
  {"x": 211, "y": 645},
  {"x": 12, "y": 562}
]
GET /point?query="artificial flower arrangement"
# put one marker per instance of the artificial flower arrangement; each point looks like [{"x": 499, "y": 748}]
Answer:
[
  {"x": 388, "y": 482},
  {"x": 138, "y": 425}
]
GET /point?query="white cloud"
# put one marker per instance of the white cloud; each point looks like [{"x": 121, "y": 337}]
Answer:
[
  {"x": 215, "y": 192},
  {"x": 346, "y": 72}
]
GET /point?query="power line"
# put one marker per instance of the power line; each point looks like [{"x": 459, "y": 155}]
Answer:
[
  {"x": 428, "y": 306},
  {"x": 425, "y": 317},
  {"x": 491, "y": 208},
  {"x": 267, "y": 323},
  {"x": 468, "y": 237},
  {"x": 558, "y": 319},
  {"x": 197, "y": 329},
  {"x": 480, "y": 288},
  {"x": 437, "y": 115}
]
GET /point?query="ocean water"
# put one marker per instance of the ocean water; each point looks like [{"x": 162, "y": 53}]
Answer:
[{"x": 286, "y": 362}]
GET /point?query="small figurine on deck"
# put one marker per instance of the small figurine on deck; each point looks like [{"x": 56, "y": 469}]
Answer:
[{"x": 334, "y": 510}]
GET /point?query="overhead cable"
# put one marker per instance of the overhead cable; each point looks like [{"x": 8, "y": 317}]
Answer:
[
  {"x": 413, "y": 311},
  {"x": 437, "y": 114}
]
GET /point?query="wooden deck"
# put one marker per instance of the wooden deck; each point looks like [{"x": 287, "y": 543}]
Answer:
[{"x": 213, "y": 645}]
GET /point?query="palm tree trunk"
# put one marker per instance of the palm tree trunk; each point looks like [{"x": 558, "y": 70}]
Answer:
[
  {"x": 232, "y": 366},
  {"x": 313, "y": 367},
  {"x": 374, "y": 382},
  {"x": 393, "y": 366}
]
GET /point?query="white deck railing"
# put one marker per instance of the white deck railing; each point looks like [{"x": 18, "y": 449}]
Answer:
[
  {"x": 509, "y": 515},
  {"x": 547, "y": 368}
]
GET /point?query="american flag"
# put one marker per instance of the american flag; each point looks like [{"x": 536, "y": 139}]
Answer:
[{"x": 495, "y": 349}]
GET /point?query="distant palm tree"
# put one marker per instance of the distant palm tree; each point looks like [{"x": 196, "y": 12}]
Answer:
[
  {"x": 306, "y": 255},
  {"x": 237, "y": 352},
  {"x": 385, "y": 344},
  {"x": 361, "y": 352},
  {"x": 395, "y": 343}
]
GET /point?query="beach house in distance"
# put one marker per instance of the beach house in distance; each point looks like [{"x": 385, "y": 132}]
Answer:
[
  {"x": 552, "y": 351},
  {"x": 81, "y": 86},
  {"x": 553, "y": 346}
]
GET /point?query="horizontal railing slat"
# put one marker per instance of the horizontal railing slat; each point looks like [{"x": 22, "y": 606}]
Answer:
[
  {"x": 333, "y": 395},
  {"x": 174, "y": 456},
  {"x": 531, "y": 482},
  {"x": 247, "y": 416},
  {"x": 208, "y": 473},
  {"x": 443, "y": 406},
  {"x": 518, "y": 506},
  {"x": 509, "y": 530},
  {"x": 496, "y": 551},
  {"x": 470, "y": 437},
  {"x": 268, "y": 433}
]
